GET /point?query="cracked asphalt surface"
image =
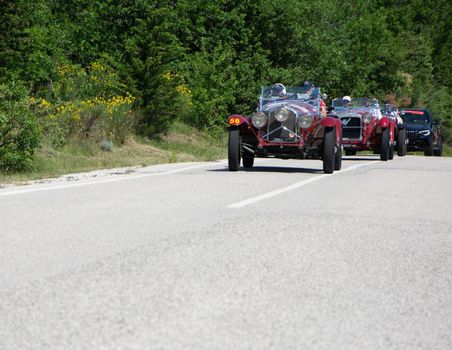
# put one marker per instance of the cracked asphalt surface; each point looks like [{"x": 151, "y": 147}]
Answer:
[{"x": 157, "y": 259}]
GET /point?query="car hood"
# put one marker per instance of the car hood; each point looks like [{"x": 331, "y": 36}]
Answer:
[
  {"x": 417, "y": 127},
  {"x": 298, "y": 107},
  {"x": 348, "y": 111}
]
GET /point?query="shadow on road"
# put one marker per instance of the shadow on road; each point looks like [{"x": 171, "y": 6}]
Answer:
[
  {"x": 301, "y": 170},
  {"x": 273, "y": 169}
]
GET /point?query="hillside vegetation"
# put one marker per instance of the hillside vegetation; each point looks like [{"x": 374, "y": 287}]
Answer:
[
  {"x": 180, "y": 143},
  {"x": 92, "y": 72}
]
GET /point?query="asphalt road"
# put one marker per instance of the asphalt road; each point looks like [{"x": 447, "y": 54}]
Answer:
[{"x": 192, "y": 256}]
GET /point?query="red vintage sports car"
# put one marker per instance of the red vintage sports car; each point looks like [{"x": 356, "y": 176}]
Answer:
[
  {"x": 364, "y": 127},
  {"x": 289, "y": 123}
]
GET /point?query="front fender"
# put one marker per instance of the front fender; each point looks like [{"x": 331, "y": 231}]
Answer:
[
  {"x": 237, "y": 120},
  {"x": 328, "y": 122},
  {"x": 338, "y": 132}
]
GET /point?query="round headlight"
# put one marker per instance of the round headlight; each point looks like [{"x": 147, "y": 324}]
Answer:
[
  {"x": 259, "y": 120},
  {"x": 305, "y": 121},
  {"x": 282, "y": 114},
  {"x": 367, "y": 118}
]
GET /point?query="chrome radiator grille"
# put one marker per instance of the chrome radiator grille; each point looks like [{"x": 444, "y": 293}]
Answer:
[
  {"x": 411, "y": 135},
  {"x": 282, "y": 131},
  {"x": 351, "y": 128}
]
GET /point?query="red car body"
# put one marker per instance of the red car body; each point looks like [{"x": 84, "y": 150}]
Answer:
[{"x": 365, "y": 128}]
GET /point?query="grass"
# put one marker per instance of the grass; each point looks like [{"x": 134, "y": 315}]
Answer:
[
  {"x": 186, "y": 143},
  {"x": 181, "y": 144},
  {"x": 447, "y": 151}
]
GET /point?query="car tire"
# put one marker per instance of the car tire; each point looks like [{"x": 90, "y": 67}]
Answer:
[
  {"x": 401, "y": 143},
  {"x": 248, "y": 160},
  {"x": 350, "y": 153},
  {"x": 429, "y": 151},
  {"x": 338, "y": 155},
  {"x": 439, "y": 152},
  {"x": 234, "y": 151},
  {"x": 384, "y": 146},
  {"x": 329, "y": 143}
]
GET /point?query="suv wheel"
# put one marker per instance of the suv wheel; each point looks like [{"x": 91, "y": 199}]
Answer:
[
  {"x": 384, "y": 147},
  {"x": 439, "y": 152},
  {"x": 429, "y": 151},
  {"x": 329, "y": 142},
  {"x": 234, "y": 149}
]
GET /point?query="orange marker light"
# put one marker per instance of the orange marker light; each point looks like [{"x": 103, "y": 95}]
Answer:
[{"x": 234, "y": 121}]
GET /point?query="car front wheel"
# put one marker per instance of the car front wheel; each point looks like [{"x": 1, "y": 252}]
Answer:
[
  {"x": 234, "y": 151},
  {"x": 329, "y": 142},
  {"x": 384, "y": 147},
  {"x": 401, "y": 143},
  {"x": 248, "y": 160}
]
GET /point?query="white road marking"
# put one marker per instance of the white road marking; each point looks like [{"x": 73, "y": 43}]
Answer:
[
  {"x": 95, "y": 182},
  {"x": 295, "y": 186}
]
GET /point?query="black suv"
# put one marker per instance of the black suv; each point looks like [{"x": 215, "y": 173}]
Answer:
[{"x": 423, "y": 133}]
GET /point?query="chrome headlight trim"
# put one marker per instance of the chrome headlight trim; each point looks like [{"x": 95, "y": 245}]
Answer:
[
  {"x": 367, "y": 118},
  {"x": 424, "y": 132},
  {"x": 305, "y": 120},
  {"x": 259, "y": 120},
  {"x": 282, "y": 114}
]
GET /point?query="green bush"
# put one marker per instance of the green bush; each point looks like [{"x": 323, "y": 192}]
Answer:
[
  {"x": 89, "y": 103},
  {"x": 440, "y": 104},
  {"x": 19, "y": 131}
]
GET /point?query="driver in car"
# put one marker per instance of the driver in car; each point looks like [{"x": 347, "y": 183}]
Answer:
[
  {"x": 346, "y": 101},
  {"x": 279, "y": 90}
]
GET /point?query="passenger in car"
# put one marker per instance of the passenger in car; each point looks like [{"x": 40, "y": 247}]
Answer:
[{"x": 346, "y": 101}]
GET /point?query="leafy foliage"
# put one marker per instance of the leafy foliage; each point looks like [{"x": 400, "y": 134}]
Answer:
[
  {"x": 19, "y": 132},
  {"x": 152, "y": 51},
  {"x": 199, "y": 61},
  {"x": 88, "y": 102}
]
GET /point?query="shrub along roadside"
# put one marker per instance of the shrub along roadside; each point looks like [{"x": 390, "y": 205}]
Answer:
[
  {"x": 86, "y": 105},
  {"x": 19, "y": 131},
  {"x": 182, "y": 143}
]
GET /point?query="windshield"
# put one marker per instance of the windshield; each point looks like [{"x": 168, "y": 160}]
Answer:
[
  {"x": 356, "y": 103},
  {"x": 389, "y": 109},
  {"x": 300, "y": 93},
  {"x": 414, "y": 117}
]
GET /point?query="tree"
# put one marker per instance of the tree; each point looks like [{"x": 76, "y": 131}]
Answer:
[{"x": 152, "y": 53}]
